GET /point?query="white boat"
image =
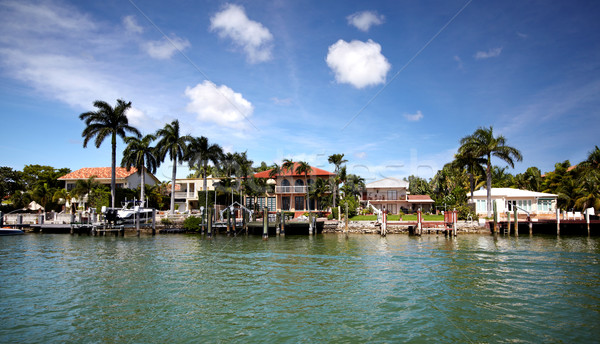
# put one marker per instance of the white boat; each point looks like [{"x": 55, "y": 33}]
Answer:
[{"x": 10, "y": 231}]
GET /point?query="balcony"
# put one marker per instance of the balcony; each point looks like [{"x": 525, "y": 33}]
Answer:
[
  {"x": 290, "y": 189},
  {"x": 186, "y": 194}
]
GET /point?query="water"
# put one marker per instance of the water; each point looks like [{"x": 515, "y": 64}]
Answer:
[{"x": 179, "y": 288}]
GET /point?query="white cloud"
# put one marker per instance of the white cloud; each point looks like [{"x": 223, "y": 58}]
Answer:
[
  {"x": 251, "y": 36},
  {"x": 358, "y": 63},
  {"x": 364, "y": 20},
  {"x": 220, "y": 105},
  {"x": 165, "y": 48},
  {"x": 360, "y": 155},
  {"x": 284, "y": 101},
  {"x": 414, "y": 117},
  {"x": 131, "y": 25},
  {"x": 487, "y": 54}
]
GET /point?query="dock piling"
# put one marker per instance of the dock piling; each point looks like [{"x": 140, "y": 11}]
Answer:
[
  {"x": 209, "y": 230},
  {"x": 516, "y": 221},
  {"x": 153, "y": 221},
  {"x": 557, "y": 221},
  {"x": 265, "y": 235},
  {"x": 277, "y": 224},
  {"x": 587, "y": 220},
  {"x": 282, "y": 222}
]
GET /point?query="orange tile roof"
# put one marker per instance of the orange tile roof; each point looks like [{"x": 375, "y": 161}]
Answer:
[
  {"x": 99, "y": 173},
  {"x": 292, "y": 173}
]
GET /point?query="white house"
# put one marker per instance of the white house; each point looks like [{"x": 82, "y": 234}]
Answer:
[
  {"x": 186, "y": 191},
  {"x": 392, "y": 195},
  {"x": 535, "y": 203},
  {"x": 123, "y": 179}
]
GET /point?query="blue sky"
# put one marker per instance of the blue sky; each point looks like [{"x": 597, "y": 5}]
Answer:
[{"x": 393, "y": 85}]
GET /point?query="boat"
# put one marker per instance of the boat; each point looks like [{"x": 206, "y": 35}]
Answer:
[
  {"x": 10, "y": 231},
  {"x": 125, "y": 214}
]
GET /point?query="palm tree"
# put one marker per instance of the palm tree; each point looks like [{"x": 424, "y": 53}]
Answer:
[
  {"x": 483, "y": 144},
  {"x": 60, "y": 195},
  {"x": 302, "y": 167},
  {"x": 588, "y": 192},
  {"x": 85, "y": 187},
  {"x": 175, "y": 145},
  {"x": 466, "y": 160},
  {"x": 319, "y": 191},
  {"x": 244, "y": 169},
  {"x": 200, "y": 153},
  {"x": 337, "y": 160},
  {"x": 42, "y": 194},
  {"x": 287, "y": 165},
  {"x": 140, "y": 155},
  {"x": 104, "y": 122}
]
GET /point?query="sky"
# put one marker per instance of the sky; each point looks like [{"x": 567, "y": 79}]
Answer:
[{"x": 393, "y": 85}]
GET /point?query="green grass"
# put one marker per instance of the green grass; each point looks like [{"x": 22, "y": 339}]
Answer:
[{"x": 395, "y": 218}]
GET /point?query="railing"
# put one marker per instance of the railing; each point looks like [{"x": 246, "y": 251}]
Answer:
[
  {"x": 186, "y": 194},
  {"x": 290, "y": 189}
]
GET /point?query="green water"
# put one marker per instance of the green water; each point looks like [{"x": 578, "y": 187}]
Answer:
[{"x": 180, "y": 288}]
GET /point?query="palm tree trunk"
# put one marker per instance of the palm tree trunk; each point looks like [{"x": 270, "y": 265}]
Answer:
[
  {"x": 488, "y": 173},
  {"x": 113, "y": 169},
  {"x": 334, "y": 193},
  {"x": 173, "y": 185},
  {"x": 142, "y": 191},
  {"x": 204, "y": 185}
]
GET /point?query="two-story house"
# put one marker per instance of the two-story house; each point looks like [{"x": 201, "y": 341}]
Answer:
[
  {"x": 392, "y": 195},
  {"x": 290, "y": 190},
  {"x": 186, "y": 191}
]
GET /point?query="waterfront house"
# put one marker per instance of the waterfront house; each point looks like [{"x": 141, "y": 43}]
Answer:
[
  {"x": 186, "y": 191},
  {"x": 289, "y": 192},
  {"x": 537, "y": 204},
  {"x": 392, "y": 194},
  {"x": 123, "y": 179}
]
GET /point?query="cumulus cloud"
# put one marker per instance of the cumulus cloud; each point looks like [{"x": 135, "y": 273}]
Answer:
[
  {"x": 165, "y": 48},
  {"x": 131, "y": 25},
  {"x": 414, "y": 117},
  {"x": 364, "y": 20},
  {"x": 358, "y": 63},
  {"x": 218, "y": 104},
  {"x": 251, "y": 36},
  {"x": 480, "y": 55}
]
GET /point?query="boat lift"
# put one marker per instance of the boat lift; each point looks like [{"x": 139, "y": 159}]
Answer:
[{"x": 232, "y": 208}]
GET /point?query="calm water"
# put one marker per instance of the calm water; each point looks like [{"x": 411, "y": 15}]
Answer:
[{"x": 178, "y": 288}]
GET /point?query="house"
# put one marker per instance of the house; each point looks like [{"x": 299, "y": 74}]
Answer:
[
  {"x": 534, "y": 203},
  {"x": 186, "y": 191},
  {"x": 123, "y": 179},
  {"x": 392, "y": 194},
  {"x": 289, "y": 193}
]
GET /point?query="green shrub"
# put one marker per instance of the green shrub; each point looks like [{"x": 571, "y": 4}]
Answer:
[
  {"x": 192, "y": 224},
  {"x": 334, "y": 213},
  {"x": 464, "y": 212},
  {"x": 166, "y": 222}
]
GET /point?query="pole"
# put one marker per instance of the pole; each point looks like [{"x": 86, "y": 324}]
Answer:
[
  {"x": 278, "y": 224},
  {"x": 384, "y": 224},
  {"x": 495, "y": 230},
  {"x": 419, "y": 222},
  {"x": 346, "y": 219},
  {"x": 310, "y": 224},
  {"x": 454, "y": 221},
  {"x": 153, "y": 221},
  {"x": 228, "y": 222},
  {"x": 282, "y": 222},
  {"x": 508, "y": 221},
  {"x": 587, "y": 220},
  {"x": 265, "y": 235},
  {"x": 516, "y": 221},
  {"x": 557, "y": 221},
  {"x": 1, "y": 219},
  {"x": 209, "y": 230}
]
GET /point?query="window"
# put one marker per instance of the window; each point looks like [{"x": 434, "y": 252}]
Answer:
[
  {"x": 261, "y": 203},
  {"x": 249, "y": 202},
  {"x": 271, "y": 202},
  {"x": 299, "y": 203},
  {"x": 482, "y": 206},
  {"x": 392, "y": 195},
  {"x": 285, "y": 203},
  {"x": 544, "y": 205}
]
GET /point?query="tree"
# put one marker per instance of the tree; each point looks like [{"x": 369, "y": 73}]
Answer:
[
  {"x": 354, "y": 185},
  {"x": 337, "y": 160},
  {"x": 175, "y": 145},
  {"x": 472, "y": 164},
  {"x": 10, "y": 181},
  {"x": 200, "y": 153},
  {"x": 320, "y": 191},
  {"x": 108, "y": 121},
  {"x": 531, "y": 179},
  {"x": 302, "y": 167},
  {"x": 501, "y": 178},
  {"x": 43, "y": 194},
  {"x": 483, "y": 144},
  {"x": 418, "y": 186},
  {"x": 244, "y": 169},
  {"x": 85, "y": 188},
  {"x": 140, "y": 155},
  {"x": 61, "y": 195}
]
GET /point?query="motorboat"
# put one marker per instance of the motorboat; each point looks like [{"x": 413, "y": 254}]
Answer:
[
  {"x": 125, "y": 214},
  {"x": 10, "y": 231}
]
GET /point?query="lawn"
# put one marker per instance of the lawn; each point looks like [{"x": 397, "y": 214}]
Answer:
[{"x": 395, "y": 218}]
